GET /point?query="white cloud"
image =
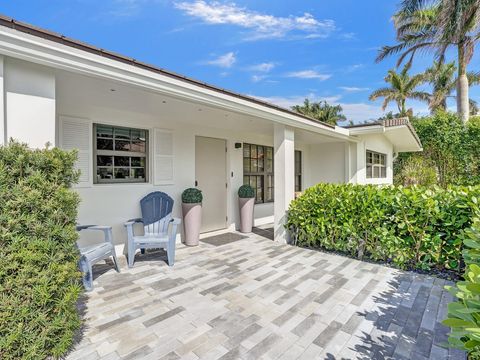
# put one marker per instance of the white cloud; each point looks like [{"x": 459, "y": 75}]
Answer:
[
  {"x": 262, "y": 26},
  {"x": 348, "y": 36},
  {"x": 309, "y": 74},
  {"x": 224, "y": 61},
  {"x": 263, "y": 67},
  {"x": 353, "y": 88},
  {"x": 354, "y": 67},
  {"x": 258, "y": 78}
]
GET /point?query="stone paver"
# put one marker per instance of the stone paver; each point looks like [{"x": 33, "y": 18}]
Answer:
[{"x": 255, "y": 299}]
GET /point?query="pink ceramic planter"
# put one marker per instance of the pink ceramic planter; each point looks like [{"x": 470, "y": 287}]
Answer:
[
  {"x": 246, "y": 214},
  {"x": 192, "y": 220}
]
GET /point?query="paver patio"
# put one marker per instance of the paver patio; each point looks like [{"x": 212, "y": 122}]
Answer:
[{"x": 254, "y": 299}]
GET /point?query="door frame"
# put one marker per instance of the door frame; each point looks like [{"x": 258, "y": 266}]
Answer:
[{"x": 226, "y": 178}]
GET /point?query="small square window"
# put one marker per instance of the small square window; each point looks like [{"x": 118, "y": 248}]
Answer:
[{"x": 120, "y": 154}]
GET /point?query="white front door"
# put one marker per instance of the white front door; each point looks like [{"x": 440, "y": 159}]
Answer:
[{"x": 211, "y": 178}]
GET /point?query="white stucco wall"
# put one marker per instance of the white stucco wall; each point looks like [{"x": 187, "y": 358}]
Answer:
[
  {"x": 2, "y": 105},
  {"x": 29, "y": 103},
  {"x": 326, "y": 163},
  {"x": 378, "y": 143}
]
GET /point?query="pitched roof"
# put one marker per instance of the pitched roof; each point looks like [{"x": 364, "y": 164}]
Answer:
[
  {"x": 64, "y": 40},
  {"x": 389, "y": 123}
]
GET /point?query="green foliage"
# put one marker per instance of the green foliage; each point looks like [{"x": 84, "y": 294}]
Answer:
[
  {"x": 192, "y": 196},
  {"x": 39, "y": 277},
  {"x": 416, "y": 170},
  {"x": 413, "y": 227},
  {"x": 450, "y": 146},
  {"x": 464, "y": 314},
  {"x": 402, "y": 86},
  {"x": 321, "y": 111},
  {"x": 246, "y": 191}
]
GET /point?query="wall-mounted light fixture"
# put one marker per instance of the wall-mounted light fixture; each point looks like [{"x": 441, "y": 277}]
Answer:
[{"x": 238, "y": 145}]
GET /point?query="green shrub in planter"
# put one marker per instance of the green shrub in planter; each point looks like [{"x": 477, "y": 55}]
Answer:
[
  {"x": 192, "y": 196},
  {"x": 39, "y": 277},
  {"x": 246, "y": 192}
]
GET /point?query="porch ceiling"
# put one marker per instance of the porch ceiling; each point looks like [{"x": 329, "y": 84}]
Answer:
[{"x": 99, "y": 98}]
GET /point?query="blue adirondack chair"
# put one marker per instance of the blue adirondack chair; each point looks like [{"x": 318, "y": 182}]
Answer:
[
  {"x": 157, "y": 221},
  {"x": 91, "y": 254}
]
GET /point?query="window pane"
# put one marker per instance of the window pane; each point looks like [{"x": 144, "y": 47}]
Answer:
[
  {"x": 246, "y": 165},
  {"x": 376, "y": 158},
  {"x": 121, "y": 133},
  {"x": 122, "y": 161},
  {"x": 253, "y": 151},
  {"x": 254, "y": 165},
  {"x": 138, "y": 146},
  {"x": 121, "y": 145},
  {"x": 269, "y": 166},
  {"x": 369, "y": 157},
  {"x": 104, "y": 160},
  {"x": 104, "y": 144},
  {"x": 122, "y": 173},
  {"x": 138, "y": 173},
  {"x": 384, "y": 172},
  {"x": 104, "y": 131},
  {"x": 137, "y": 161},
  {"x": 246, "y": 150},
  {"x": 383, "y": 159},
  {"x": 298, "y": 183},
  {"x": 246, "y": 180},
  {"x": 369, "y": 171},
  {"x": 376, "y": 172},
  {"x": 269, "y": 153},
  {"x": 105, "y": 173}
]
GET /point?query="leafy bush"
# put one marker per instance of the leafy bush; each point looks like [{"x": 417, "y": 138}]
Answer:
[
  {"x": 413, "y": 227},
  {"x": 246, "y": 191},
  {"x": 416, "y": 170},
  {"x": 39, "y": 280},
  {"x": 192, "y": 196},
  {"x": 450, "y": 146},
  {"x": 464, "y": 314}
]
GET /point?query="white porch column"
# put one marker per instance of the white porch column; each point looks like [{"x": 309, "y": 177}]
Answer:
[
  {"x": 361, "y": 165},
  {"x": 284, "y": 182},
  {"x": 30, "y": 103}
]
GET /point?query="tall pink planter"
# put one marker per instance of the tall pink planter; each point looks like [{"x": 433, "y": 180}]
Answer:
[
  {"x": 192, "y": 220},
  {"x": 246, "y": 214}
]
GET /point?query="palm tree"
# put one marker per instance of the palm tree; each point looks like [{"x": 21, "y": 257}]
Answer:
[
  {"x": 321, "y": 111},
  {"x": 402, "y": 87},
  {"x": 426, "y": 26},
  {"x": 443, "y": 80}
]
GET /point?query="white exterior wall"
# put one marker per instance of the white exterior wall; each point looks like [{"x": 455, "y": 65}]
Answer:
[
  {"x": 29, "y": 103},
  {"x": 113, "y": 204},
  {"x": 326, "y": 163},
  {"x": 378, "y": 143}
]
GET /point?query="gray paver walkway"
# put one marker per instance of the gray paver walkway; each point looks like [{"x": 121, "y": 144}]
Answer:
[{"x": 255, "y": 299}]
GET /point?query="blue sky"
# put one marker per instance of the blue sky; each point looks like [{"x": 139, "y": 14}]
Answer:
[{"x": 281, "y": 51}]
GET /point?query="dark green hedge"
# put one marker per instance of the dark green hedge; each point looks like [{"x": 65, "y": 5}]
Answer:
[
  {"x": 413, "y": 227},
  {"x": 39, "y": 280}
]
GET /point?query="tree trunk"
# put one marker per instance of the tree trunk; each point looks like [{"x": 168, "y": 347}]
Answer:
[{"x": 463, "y": 105}]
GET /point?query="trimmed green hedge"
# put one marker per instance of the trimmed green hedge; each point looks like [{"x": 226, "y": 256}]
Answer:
[
  {"x": 464, "y": 314},
  {"x": 413, "y": 227},
  {"x": 39, "y": 277}
]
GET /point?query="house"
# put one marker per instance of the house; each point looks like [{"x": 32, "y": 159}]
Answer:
[{"x": 138, "y": 128}]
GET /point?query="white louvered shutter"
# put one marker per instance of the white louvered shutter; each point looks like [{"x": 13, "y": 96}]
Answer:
[
  {"x": 163, "y": 157},
  {"x": 76, "y": 133}
]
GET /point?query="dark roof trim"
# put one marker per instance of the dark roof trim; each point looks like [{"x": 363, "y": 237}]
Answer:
[
  {"x": 387, "y": 123},
  {"x": 61, "y": 39}
]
